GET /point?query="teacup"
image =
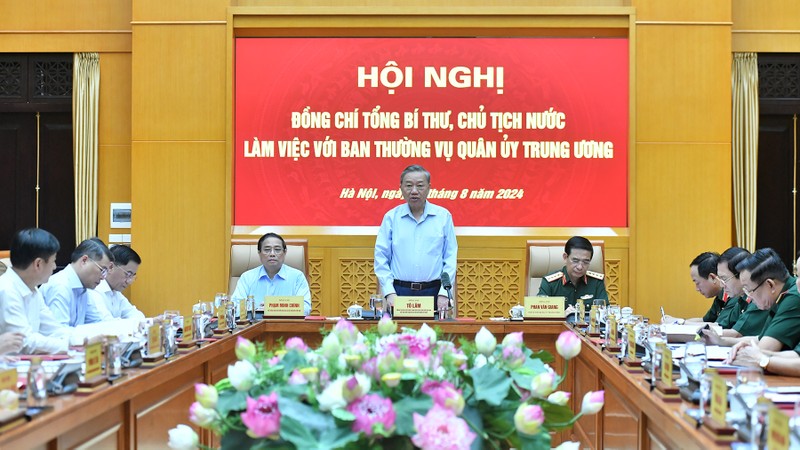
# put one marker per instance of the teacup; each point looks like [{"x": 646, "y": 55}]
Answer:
[
  {"x": 517, "y": 312},
  {"x": 354, "y": 311}
]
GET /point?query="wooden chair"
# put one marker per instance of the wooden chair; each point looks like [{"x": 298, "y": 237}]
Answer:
[
  {"x": 545, "y": 257},
  {"x": 244, "y": 256}
]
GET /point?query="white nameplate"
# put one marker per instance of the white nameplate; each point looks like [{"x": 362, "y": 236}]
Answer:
[
  {"x": 283, "y": 306},
  {"x": 413, "y": 307},
  {"x": 544, "y": 307}
]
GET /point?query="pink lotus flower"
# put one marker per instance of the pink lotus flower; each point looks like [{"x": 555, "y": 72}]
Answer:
[
  {"x": 245, "y": 350},
  {"x": 441, "y": 429},
  {"x": 445, "y": 395},
  {"x": 513, "y": 339},
  {"x": 346, "y": 332},
  {"x": 387, "y": 326},
  {"x": 206, "y": 395},
  {"x": 296, "y": 378},
  {"x": 543, "y": 384},
  {"x": 372, "y": 411},
  {"x": 201, "y": 416},
  {"x": 592, "y": 402},
  {"x": 297, "y": 344},
  {"x": 529, "y": 419},
  {"x": 559, "y": 398},
  {"x": 262, "y": 418},
  {"x": 568, "y": 345},
  {"x": 513, "y": 357}
]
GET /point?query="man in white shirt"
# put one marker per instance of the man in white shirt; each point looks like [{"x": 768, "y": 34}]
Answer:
[
  {"x": 66, "y": 294},
  {"x": 126, "y": 264},
  {"x": 22, "y": 308}
]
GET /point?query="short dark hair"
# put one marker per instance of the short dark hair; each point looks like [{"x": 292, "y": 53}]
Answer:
[
  {"x": 764, "y": 263},
  {"x": 580, "y": 243},
  {"x": 271, "y": 235},
  {"x": 733, "y": 256},
  {"x": 706, "y": 263},
  {"x": 123, "y": 254},
  {"x": 94, "y": 248},
  {"x": 415, "y": 168},
  {"x": 32, "y": 243}
]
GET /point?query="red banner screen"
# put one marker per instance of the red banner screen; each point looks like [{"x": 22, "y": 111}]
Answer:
[{"x": 516, "y": 132}]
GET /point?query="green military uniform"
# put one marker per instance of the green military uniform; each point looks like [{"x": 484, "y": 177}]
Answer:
[
  {"x": 717, "y": 305},
  {"x": 751, "y": 322},
  {"x": 731, "y": 311},
  {"x": 558, "y": 284},
  {"x": 784, "y": 317}
]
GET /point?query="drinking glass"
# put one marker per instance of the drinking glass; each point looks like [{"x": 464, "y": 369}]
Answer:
[
  {"x": 601, "y": 309},
  {"x": 705, "y": 391},
  {"x": 695, "y": 359},
  {"x": 750, "y": 385},
  {"x": 376, "y": 303},
  {"x": 654, "y": 338}
]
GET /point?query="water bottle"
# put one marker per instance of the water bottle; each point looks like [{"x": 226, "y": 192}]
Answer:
[{"x": 36, "y": 389}]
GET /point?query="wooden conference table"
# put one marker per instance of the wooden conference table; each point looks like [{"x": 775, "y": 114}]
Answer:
[{"x": 137, "y": 411}]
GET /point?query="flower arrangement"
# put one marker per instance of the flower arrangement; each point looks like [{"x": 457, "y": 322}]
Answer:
[{"x": 385, "y": 389}]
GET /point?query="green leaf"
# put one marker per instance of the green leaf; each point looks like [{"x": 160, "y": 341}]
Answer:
[
  {"x": 298, "y": 434},
  {"x": 537, "y": 442},
  {"x": 556, "y": 414},
  {"x": 231, "y": 401},
  {"x": 236, "y": 439},
  {"x": 404, "y": 412},
  {"x": 491, "y": 384},
  {"x": 292, "y": 360},
  {"x": 311, "y": 419},
  {"x": 337, "y": 438},
  {"x": 343, "y": 414}
]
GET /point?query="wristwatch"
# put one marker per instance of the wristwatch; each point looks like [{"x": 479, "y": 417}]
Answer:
[{"x": 763, "y": 362}]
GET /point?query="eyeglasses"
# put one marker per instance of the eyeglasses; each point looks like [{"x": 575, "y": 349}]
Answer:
[
  {"x": 130, "y": 276},
  {"x": 725, "y": 280},
  {"x": 578, "y": 261},
  {"x": 750, "y": 292},
  {"x": 103, "y": 270},
  {"x": 275, "y": 250}
]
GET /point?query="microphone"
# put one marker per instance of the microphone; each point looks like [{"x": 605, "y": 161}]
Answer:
[{"x": 446, "y": 284}]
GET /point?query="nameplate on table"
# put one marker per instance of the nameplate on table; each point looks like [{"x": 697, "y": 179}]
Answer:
[
  {"x": 719, "y": 396},
  {"x": 777, "y": 429},
  {"x": 283, "y": 307},
  {"x": 94, "y": 360},
  {"x": 8, "y": 380},
  {"x": 154, "y": 339},
  {"x": 544, "y": 307},
  {"x": 413, "y": 307},
  {"x": 666, "y": 365}
]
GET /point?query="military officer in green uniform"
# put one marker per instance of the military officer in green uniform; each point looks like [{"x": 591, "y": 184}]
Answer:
[
  {"x": 748, "y": 319},
  {"x": 766, "y": 281},
  {"x": 574, "y": 280},
  {"x": 703, "y": 270}
]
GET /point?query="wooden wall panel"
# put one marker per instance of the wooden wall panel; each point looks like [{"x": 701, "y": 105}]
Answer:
[
  {"x": 49, "y": 15},
  {"x": 683, "y": 10},
  {"x": 766, "y": 26},
  {"x": 179, "y": 83},
  {"x": 178, "y": 195},
  {"x": 684, "y": 209},
  {"x": 180, "y": 10},
  {"x": 114, "y": 135},
  {"x": 683, "y": 84}
]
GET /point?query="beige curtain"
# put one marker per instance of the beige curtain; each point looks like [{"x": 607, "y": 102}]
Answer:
[
  {"x": 85, "y": 99},
  {"x": 745, "y": 147}
]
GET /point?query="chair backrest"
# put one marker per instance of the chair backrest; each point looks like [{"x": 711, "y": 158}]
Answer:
[
  {"x": 545, "y": 257},
  {"x": 244, "y": 256}
]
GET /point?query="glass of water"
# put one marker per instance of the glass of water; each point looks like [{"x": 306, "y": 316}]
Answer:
[
  {"x": 695, "y": 359},
  {"x": 750, "y": 385}
]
